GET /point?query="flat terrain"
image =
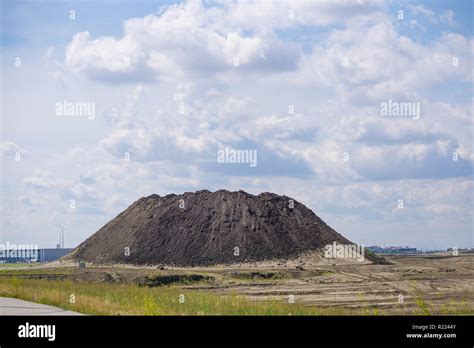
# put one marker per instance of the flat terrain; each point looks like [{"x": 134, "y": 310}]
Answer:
[
  {"x": 13, "y": 306},
  {"x": 417, "y": 284}
]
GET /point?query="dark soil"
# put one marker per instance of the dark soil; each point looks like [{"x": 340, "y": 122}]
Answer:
[
  {"x": 174, "y": 279},
  {"x": 205, "y": 228},
  {"x": 256, "y": 275}
]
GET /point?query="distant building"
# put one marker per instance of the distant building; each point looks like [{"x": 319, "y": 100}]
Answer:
[
  {"x": 32, "y": 255},
  {"x": 48, "y": 255},
  {"x": 394, "y": 250}
]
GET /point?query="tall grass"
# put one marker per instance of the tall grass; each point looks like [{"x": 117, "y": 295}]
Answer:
[{"x": 129, "y": 299}]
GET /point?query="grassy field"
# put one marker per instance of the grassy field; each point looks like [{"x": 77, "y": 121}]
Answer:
[
  {"x": 429, "y": 285},
  {"x": 19, "y": 265},
  {"x": 128, "y": 299}
]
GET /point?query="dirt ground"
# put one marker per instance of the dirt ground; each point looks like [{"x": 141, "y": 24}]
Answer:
[{"x": 436, "y": 283}]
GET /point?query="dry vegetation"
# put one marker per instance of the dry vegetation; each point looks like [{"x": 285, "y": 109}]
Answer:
[{"x": 430, "y": 285}]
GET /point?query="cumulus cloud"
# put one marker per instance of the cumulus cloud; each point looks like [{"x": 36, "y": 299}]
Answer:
[
  {"x": 220, "y": 36},
  {"x": 410, "y": 161},
  {"x": 174, "y": 97},
  {"x": 371, "y": 63},
  {"x": 262, "y": 15},
  {"x": 149, "y": 48}
]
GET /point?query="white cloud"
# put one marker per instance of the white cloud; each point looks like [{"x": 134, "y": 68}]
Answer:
[
  {"x": 447, "y": 17},
  {"x": 12, "y": 150},
  {"x": 182, "y": 57},
  {"x": 149, "y": 47},
  {"x": 39, "y": 182},
  {"x": 420, "y": 9},
  {"x": 262, "y": 15},
  {"x": 374, "y": 62},
  {"x": 214, "y": 35}
]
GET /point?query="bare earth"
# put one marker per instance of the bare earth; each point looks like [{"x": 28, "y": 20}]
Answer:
[
  {"x": 437, "y": 280},
  {"x": 441, "y": 281}
]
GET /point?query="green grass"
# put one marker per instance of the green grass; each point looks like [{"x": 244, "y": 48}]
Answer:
[
  {"x": 420, "y": 302},
  {"x": 128, "y": 299},
  {"x": 98, "y": 298},
  {"x": 17, "y": 265},
  {"x": 14, "y": 271},
  {"x": 327, "y": 273}
]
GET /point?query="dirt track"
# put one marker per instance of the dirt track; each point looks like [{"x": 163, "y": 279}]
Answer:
[{"x": 432, "y": 280}]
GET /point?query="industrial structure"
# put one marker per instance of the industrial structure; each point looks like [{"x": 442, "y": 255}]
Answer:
[
  {"x": 32, "y": 255},
  {"x": 394, "y": 250}
]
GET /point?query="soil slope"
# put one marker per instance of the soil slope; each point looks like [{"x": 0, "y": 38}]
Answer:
[{"x": 205, "y": 228}]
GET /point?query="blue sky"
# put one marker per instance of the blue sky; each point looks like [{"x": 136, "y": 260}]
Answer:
[{"x": 166, "y": 92}]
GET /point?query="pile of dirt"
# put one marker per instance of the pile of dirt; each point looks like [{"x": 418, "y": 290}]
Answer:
[{"x": 208, "y": 228}]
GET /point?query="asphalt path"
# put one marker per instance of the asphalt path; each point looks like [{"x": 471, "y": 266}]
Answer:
[{"x": 13, "y": 306}]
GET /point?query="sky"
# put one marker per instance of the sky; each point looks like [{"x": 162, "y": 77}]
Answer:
[{"x": 105, "y": 102}]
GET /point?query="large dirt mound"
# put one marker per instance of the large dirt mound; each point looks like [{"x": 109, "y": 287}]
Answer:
[{"x": 206, "y": 228}]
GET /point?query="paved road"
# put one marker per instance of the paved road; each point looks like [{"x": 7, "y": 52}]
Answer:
[{"x": 13, "y": 306}]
